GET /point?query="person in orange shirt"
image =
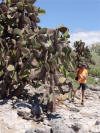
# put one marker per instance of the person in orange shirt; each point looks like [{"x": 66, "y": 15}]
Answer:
[{"x": 82, "y": 74}]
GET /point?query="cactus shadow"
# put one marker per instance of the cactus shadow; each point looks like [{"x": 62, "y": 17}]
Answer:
[
  {"x": 19, "y": 104},
  {"x": 4, "y": 101},
  {"x": 53, "y": 116}
]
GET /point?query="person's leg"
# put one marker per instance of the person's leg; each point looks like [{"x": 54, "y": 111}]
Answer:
[
  {"x": 83, "y": 93},
  {"x": 74, "y": 93}
]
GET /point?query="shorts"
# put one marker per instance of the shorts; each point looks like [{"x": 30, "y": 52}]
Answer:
[{"x": 84, "y": 86}]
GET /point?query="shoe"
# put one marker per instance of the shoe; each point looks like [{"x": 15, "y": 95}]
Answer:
[
  {"x": 72, "y": 100},
  {"x": 82, "y": 103}
]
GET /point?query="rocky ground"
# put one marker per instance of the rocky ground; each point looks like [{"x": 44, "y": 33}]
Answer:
[{"x": 68, "y": 118}]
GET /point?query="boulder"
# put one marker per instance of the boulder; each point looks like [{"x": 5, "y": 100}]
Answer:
[
  {"x": 43, "y": 129},
  {"x": 30, "y": 131},
  {"x": 60, "y": 126},
  {"x": 36, "y": 110},
  {"x": 94, "y": 88}
]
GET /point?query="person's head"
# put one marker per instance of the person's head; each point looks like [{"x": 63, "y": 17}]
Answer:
[{"x": 83, "y": 65}]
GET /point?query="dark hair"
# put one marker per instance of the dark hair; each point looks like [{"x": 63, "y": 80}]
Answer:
[{"x": 83, "y": 65}]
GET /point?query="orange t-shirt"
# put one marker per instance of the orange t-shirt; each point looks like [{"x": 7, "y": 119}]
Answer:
[{"x": 82, "y": 75}]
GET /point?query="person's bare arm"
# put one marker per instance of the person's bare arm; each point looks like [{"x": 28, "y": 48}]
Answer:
[{"x": 85, "y": 75}]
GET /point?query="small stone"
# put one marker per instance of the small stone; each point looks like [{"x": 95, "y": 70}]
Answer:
[
  {"x": 74, "y": 110},
  {"x": 97, "y": 123},
  {"x": 14, "y": 98},
  {"x": 46, "y": 122},
  {"x": 76, "y": 127}
]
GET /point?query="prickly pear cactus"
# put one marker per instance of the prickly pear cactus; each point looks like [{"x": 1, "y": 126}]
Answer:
[
  {"x": 27, "y": 51},
  {"x": 82, "y": 53},
  {"x": 19, "y": 36}
]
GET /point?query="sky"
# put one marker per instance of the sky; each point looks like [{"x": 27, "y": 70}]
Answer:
[{"x": 82, "y": 17}]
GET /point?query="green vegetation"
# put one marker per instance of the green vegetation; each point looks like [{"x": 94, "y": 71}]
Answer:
[
  {"x": 96, "y": 58},
  {"x": 71, "y": 75},
  {"x": 91, "y": 80},
  {"x": 95, "y": 69},
  {"x": 82, "y": 53},
  {"x": 96, "y": 48}
]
